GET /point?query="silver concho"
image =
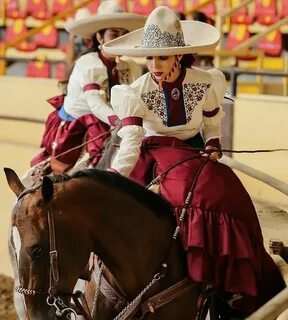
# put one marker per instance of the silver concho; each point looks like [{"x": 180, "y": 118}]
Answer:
[{"x": 175, "y": 94}]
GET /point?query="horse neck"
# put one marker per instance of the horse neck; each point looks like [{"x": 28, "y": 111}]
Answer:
[{"x": 131, "y": 240}]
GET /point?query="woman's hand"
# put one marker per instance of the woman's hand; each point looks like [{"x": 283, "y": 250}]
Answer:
[{"x": 213, "y": 155}]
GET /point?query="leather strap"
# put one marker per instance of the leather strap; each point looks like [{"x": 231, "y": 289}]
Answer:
[
  {"x": 161, "y": 299},
  {"x": 118, "y": 301}
]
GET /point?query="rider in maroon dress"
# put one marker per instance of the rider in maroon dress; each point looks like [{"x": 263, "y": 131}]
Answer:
[{"x": 167, "y": 115}]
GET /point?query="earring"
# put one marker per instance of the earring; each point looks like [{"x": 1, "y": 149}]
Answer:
[{"x": 99, "y": 47}]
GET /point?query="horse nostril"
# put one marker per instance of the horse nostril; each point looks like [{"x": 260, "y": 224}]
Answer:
[{"x": 36, "y": 251}]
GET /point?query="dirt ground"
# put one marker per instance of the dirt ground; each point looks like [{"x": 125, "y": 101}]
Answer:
[{"x": 274, "y": 223}]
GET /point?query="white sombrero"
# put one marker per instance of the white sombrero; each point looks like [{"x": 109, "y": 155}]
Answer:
[
  {"x": 164, "y": 34},
  {"x": 109, "y": 15}
]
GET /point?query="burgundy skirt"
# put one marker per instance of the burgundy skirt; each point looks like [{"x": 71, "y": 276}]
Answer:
[
  {"x": 69, "y": 135},
  {"x": 221, "y": 232}
]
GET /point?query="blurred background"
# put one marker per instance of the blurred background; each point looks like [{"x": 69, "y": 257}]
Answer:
[{"x": 36, "y": 52}]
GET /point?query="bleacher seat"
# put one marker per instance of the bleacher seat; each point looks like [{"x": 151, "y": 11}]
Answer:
[
  {"x": 37, "y": 9},
  {"x": 209, "y": 10},
  {"x": 176, "y": 5},
  {"x": 143, "y": 6},
  {"x": 93, "y": 6},
  {"x": 283, "y": 9},
  {"x": 15, "y": 30},
  {"x": 242, "y": 15},
  {"x": 61, "y": 5},
  {"x": 123, "y": 4},
  {"x": 47, "y": 37},
  {"x": 238, "y": 34},
  {"x": 60, "y": 70},
  {"x": 266, "y": 12},
  {"x": 12, "y": 10},
  {"x": 272, "y": 44},
  {"x": 38, "y": 69}
]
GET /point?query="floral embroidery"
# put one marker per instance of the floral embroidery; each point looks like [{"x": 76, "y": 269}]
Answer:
[
  {"x": 155, "y": 101},
  {"x": 154, "y": 38},
  {"x": 192, "y": 94},
  {"x": 124, "y": 76}
]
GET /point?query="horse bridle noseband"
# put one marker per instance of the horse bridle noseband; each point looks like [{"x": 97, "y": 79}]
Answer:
[{"x": 54, "y": 300}]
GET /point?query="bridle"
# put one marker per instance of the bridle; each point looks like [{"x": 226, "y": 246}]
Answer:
[{"x": 53, "y": 299}]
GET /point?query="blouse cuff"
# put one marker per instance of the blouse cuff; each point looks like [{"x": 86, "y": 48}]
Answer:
[
  {"x": 130, "y": 121},
  {"x": 215, "y": 143}
]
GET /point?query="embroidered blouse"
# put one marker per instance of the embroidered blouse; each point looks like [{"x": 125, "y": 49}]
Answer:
[
  {"x": 181, "y": 109},
  {"x": 90, "y": 83}
]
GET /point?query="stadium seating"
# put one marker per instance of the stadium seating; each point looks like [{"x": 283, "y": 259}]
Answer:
[
  {"x": 47, "y": 37},
  {"x": 38, "y": 69},
  {"x": 93, "y": 6},
  {"x": 12, "y": 10},
  {"x": 37, "y": 9},
  {"x": 143, "y": 6},
  {"x": 60, "y": 70},
  {"x": 242, "y": 15},
  {"x": 123, "y": 4},
  {"x": 15, "y": 30},
  {"x": 266, "y": 12},
  {"x": 209, "y": 10},
  {"x": 61, "y": 5},
  {"x": 176, "y": 5},
  {"x": 272, "y": 44}
]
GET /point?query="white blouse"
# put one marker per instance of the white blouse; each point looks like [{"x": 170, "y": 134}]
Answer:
[
  {"x": 202, "y": 93},
  {"x": 88, "y": 87}
]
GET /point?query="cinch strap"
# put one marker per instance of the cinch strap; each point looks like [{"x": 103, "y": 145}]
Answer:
[
  {"x": 91, "y": 86},
  {"x": 129, "y": 121},
  {"x": 210, "y": 114}
]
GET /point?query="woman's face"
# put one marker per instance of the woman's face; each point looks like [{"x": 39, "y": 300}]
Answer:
[
  {"x": 160, "y": 66},
  {"x": 110, "y": 34}
]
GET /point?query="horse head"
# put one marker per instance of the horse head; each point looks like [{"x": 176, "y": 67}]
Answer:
[
  {"x": 129, "y": 228},
  {"x": 40, "y": 229}
]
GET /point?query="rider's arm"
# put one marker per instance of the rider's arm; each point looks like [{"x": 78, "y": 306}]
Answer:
[
  {"x": 212, "y": 110},
  {"x": 129, "y": 109}
]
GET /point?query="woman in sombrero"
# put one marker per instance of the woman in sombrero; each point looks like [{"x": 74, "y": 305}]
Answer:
[
  {"x": 167, "y": 115},
  {"x": 83, "y": 111}
]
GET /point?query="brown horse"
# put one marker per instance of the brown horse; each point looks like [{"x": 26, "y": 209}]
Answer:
[{"x": 128, "y": 227}]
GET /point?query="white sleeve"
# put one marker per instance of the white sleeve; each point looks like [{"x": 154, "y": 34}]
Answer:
[
  {"x": 128, "y": 107},
  {"x": 212, "y": 110},
  {"x": 94, "y": 96}
]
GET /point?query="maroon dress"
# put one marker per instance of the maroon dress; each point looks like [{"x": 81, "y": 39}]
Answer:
[
  {"x": 221, "y": 231},
  {"x": 61, "y": 136}
]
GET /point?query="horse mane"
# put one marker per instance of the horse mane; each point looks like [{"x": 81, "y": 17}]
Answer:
[
  {"x": 146, "y": 197},
  {"x": 60, "y": 178}
]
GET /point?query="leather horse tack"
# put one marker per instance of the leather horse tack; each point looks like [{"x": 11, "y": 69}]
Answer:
[{"x": 148, "y": 306}]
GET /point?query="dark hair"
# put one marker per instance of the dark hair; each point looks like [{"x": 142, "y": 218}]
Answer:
[
  {"x": 93, "y": 48},
  {"x": 199, "y": 16},
  {"x": 187, "y": 60}
]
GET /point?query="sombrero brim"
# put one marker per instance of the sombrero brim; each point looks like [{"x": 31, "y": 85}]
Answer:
[
  {"x": 88, "y": 27},
  {"x": 198, "y": 36}
]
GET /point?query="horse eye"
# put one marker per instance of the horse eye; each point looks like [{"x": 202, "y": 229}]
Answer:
[{"x": 36, "y": 252}]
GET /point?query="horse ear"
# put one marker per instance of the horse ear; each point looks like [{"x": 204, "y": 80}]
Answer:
[
  {"x": 13, "y": 181},
  {"x": 47, "y": 189}
]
